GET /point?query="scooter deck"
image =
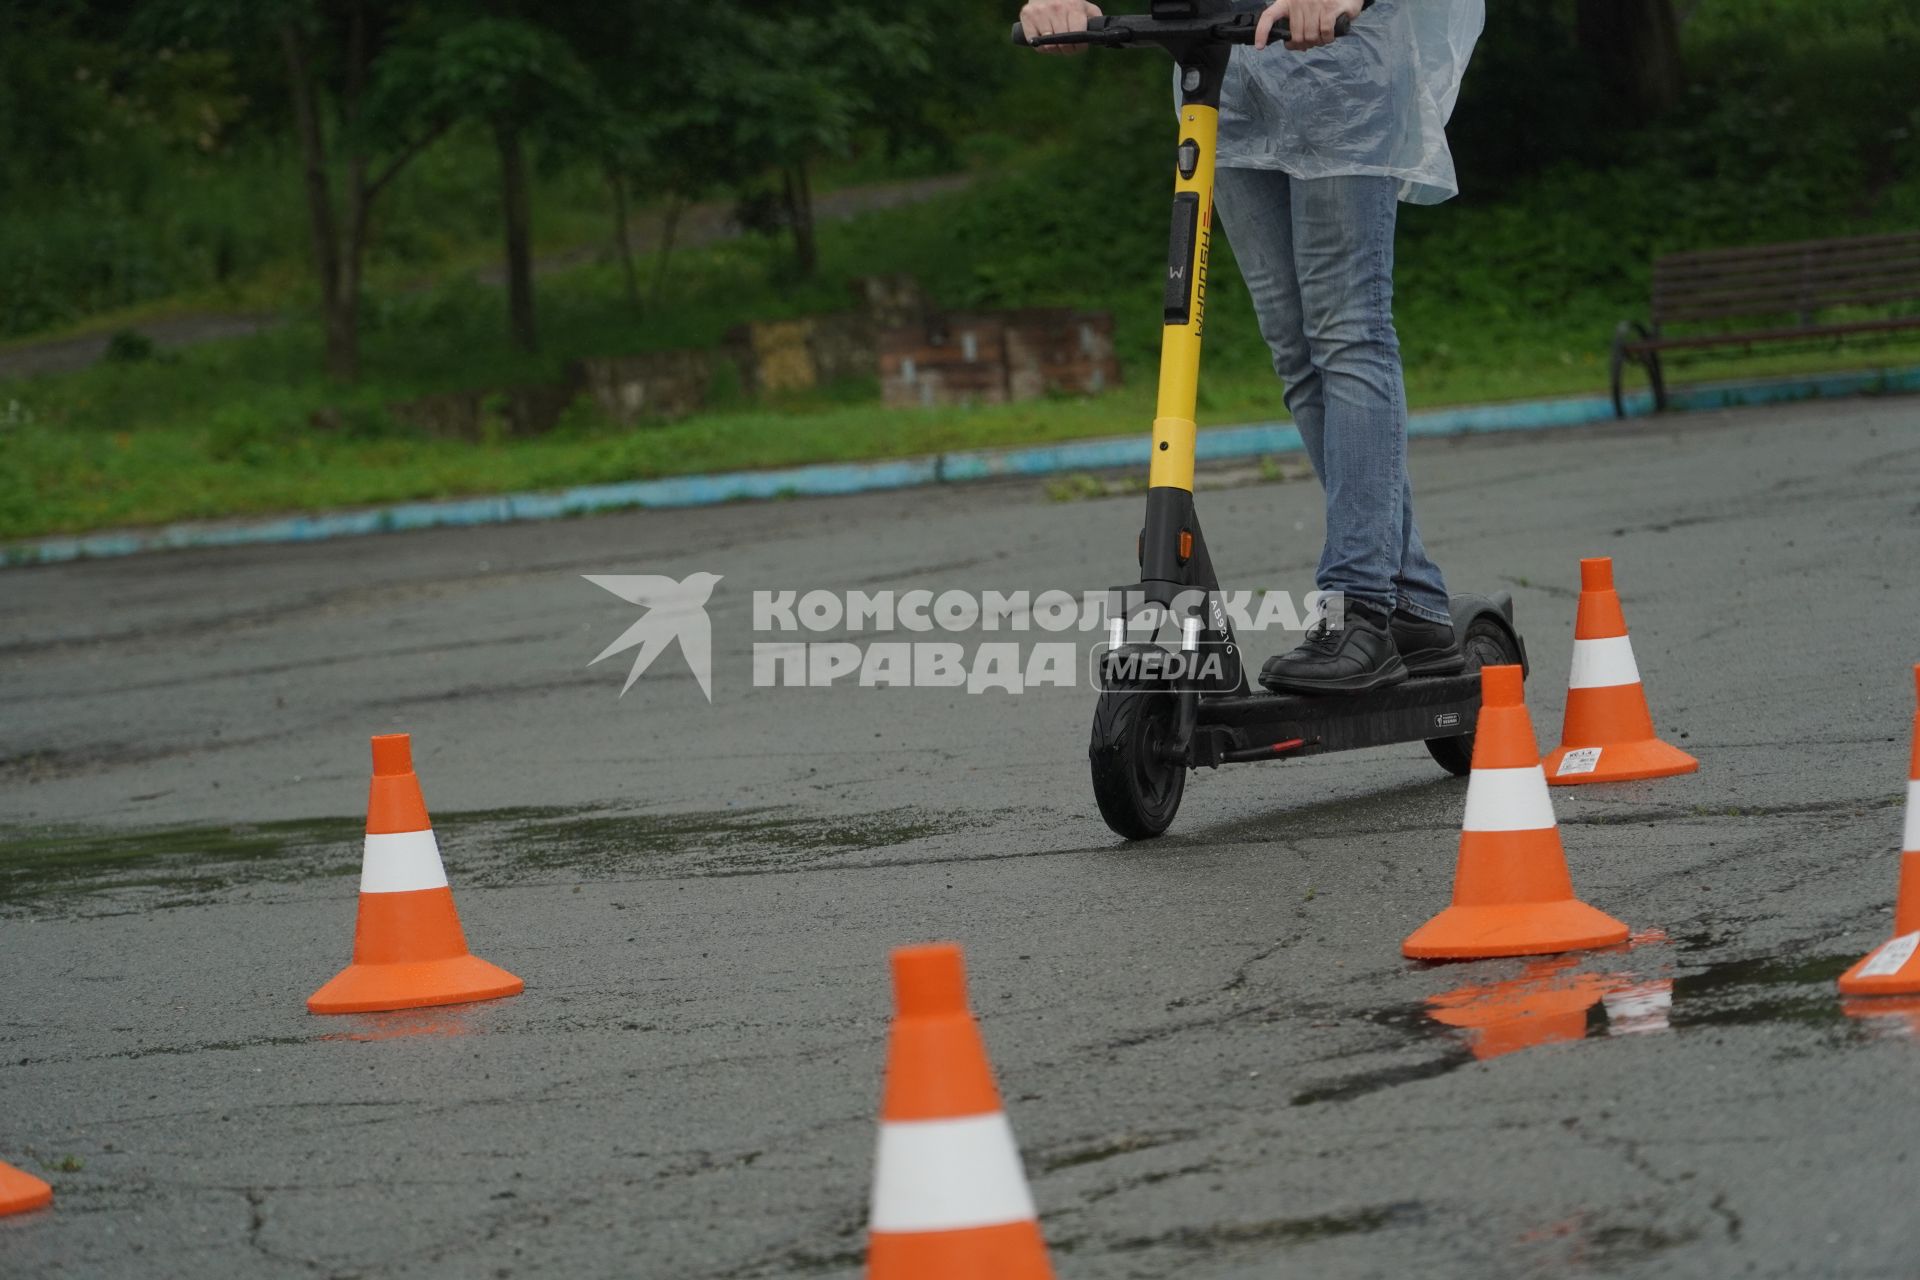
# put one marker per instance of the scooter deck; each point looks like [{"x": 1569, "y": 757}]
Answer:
[{"x": 1275, "y": 725}]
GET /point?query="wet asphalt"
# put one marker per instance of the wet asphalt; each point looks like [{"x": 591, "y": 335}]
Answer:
[{"x": 1215, "y": 1058}]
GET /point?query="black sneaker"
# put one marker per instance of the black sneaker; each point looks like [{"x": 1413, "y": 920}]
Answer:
[
  {"x": 1355, "y": 657},
  {"x": 1428, "y": 648}
]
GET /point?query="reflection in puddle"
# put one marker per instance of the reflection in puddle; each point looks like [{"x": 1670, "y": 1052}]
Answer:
[
  {"x": 1551, "y": 1001},
  {"x": 1639, "y": 1007},
  {"x": 409, "y": 1024},
  {"x": 1896, "y": 1017}
]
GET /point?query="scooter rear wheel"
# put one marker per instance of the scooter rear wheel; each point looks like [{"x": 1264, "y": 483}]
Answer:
[
  {"x": 1486, "y": 644},
  {"x": 1138, "y": 788}
]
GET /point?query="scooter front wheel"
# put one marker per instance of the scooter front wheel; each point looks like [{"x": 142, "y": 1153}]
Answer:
[
  {"x": 1487, "y": 644},
  {"x": 1138, "y": 787}
]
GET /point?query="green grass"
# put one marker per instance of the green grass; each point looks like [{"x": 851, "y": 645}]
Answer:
[{"x": 1506, "y": 293}]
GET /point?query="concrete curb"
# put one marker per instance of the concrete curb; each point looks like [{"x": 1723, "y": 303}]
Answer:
[{"x": 835, "y": 479}]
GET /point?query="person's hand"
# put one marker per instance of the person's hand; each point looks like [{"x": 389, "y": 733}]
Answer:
[
  {"x": 1310, "y": 23},
  {"x": 1057, "y": 17}
]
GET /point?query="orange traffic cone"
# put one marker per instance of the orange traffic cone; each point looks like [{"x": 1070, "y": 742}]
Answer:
[
  {"x": 1607, "y": 735},
  {"x": 20, "y": 1192},
  {"x": 408, "y": 949},
  {"x": 1894, "y": 967},
  {"x": 1512, "y": 895},
  {"x": 950, "y": 1200}
]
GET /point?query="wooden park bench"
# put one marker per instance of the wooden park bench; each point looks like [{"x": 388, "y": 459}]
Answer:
[{"x": 1807, "y": 291}]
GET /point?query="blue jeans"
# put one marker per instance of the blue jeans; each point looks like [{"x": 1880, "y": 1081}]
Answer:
[{"x": 1317, "y": 255}]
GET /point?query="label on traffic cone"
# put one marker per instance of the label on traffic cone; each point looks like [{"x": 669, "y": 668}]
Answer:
[
  {"x": 1512, "y": 895},
  {"x": 950, "y": 1200},
  {"x": 20, "y": 1192},
  {"x": 1894, "y": 967},
  {"x": 408, "y": 949},
  {"x": 1607, "y": 734}
]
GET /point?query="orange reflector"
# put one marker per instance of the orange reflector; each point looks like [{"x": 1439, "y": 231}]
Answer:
[{"x": 1186, "y": 545}]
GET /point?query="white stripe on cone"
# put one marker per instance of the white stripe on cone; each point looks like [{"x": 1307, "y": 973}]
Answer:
[
  {"x": 949, "y": 1175},
  {"x": 1911, "y": 844},
  {"x": 405, "y": 862},
  {"x": 1603, "y": 664},
  {"x": 1508, "y": 800}
]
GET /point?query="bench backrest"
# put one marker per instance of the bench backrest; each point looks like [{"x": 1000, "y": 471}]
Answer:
[{"x": 1799, "y": 279}]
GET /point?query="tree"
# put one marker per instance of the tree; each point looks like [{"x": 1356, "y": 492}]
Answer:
[
  {"x": 354, "y": 118},
  {"x": 662, "y": 133},
  {"x": 517, "y": 79},
  {"x": 800, "y": 85}
]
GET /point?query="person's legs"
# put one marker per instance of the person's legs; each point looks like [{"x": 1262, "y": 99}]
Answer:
[
  {"x": 1317, "y": 256},
  {"x": 1257, "y": 213},
  {"x": 1343, "y": 232},
  {"x": 1257, "y": 209},
  {"x": 1419, "y": 586}
]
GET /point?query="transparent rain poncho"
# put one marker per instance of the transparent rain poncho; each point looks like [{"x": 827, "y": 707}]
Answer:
[{"x": 1376, "y": 101}]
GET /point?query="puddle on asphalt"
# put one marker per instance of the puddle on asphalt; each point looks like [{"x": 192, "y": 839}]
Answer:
[
  {"x": 1557, "y": 998},
  {"x": 1570, "y": 998},
  {"x": 1552, "y": 1000},
  {"x": 737, "y": 840},
  {"x": 46, "y": 869},
  {"x": 176, "y": 864}
]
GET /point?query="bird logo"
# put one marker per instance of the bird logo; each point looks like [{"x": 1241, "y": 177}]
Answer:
[{"x": 674, "y": 611}]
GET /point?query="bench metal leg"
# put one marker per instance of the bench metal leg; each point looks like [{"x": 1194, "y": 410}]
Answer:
[
  {"x": 1618, "y": 371},
  {"x": 1627, "y": 331}
]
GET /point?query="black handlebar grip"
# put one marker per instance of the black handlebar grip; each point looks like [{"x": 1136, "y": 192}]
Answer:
[
  {"x": 1093, "y": 24},
  {"x": 1098, "y": 31}
]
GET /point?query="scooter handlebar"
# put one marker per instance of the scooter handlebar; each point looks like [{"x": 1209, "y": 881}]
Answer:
[{"x": 1125, "y": 29}]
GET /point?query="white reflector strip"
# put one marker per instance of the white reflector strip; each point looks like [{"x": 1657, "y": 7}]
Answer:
[
  {"x": 1508, "y": 800},
  {"x": 402, "y": 863},
  {"x": 1602, "y": 664},
  {"x": 1912, "y": 843},
  {"x": 949, "y": 1175}
]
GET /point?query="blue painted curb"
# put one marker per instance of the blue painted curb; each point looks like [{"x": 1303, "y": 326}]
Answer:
[{"x": 1215, "y": 444}]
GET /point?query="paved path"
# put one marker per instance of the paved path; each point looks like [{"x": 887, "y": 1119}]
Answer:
[
  {"x": 1216, "y": 1060},
  {"x": 705, "y": 223}
]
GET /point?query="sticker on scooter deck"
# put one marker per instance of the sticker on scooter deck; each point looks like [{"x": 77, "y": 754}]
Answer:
[
  {"x": 1891, "y": 957},
  {"x": 1585, "y": 760}
]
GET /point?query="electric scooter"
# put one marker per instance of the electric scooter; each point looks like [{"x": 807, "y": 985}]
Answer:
[{"x": 1163, "y": 712}]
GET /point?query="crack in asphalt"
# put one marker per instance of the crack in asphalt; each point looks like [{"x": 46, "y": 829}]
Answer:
[
  {"x": 1679, "y": 1186},
  {"x": 1281, "y": 1231}
]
